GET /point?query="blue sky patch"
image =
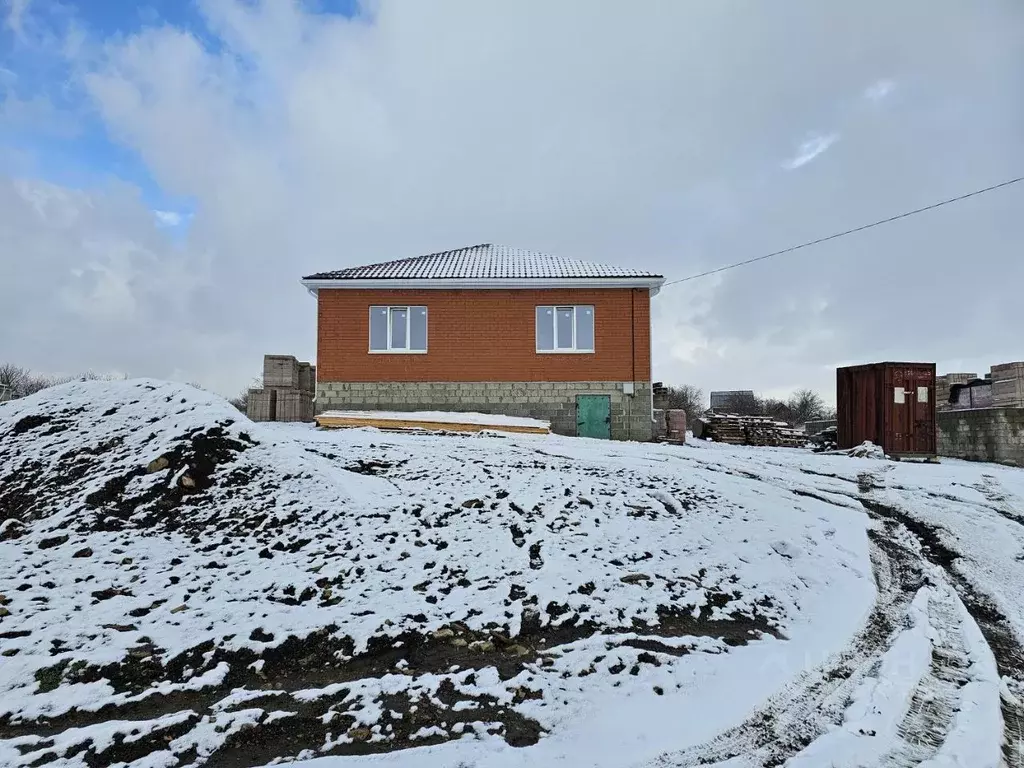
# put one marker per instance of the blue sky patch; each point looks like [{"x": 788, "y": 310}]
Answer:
[{"x": 48, "y": 122}]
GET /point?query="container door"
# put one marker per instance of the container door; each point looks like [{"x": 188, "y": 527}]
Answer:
[
  {"x": 594, "y": 416},
  {"x": 924, "y": 412},
  {"x": 902, "y": 415}
]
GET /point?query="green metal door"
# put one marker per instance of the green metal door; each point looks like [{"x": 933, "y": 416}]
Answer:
[{"x": 594, "y": 416}]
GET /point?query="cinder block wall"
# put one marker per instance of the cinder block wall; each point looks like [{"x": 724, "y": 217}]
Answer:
[
  {"x": 982, "y": 434},
  {"x": 553, "y": 401}
]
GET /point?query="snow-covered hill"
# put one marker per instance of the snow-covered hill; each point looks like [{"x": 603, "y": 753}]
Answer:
[{"x": 181, "y": 586}]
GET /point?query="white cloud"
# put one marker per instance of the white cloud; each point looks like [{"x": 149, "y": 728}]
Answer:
[
  {"x": 16, "y": 10},
  {"x": 879, "y": 90},
  {"x": 810, "y": 149},
  {"x": 96, "y": 287},
  {"x": 648, "y": 137},
  {"x": 168, "y": 218}
]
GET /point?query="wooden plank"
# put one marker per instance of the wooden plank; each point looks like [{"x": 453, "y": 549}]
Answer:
[{"x": 435, "y": 426}]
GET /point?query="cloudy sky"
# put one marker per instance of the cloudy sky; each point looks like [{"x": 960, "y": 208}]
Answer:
[{"x": 168, "y": 170}]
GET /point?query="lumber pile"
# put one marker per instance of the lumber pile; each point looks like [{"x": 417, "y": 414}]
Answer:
[
  {"x": 732, "y": 429},
  {"x": 435, "y": 421},
  {"x": 725, "y": 428}
]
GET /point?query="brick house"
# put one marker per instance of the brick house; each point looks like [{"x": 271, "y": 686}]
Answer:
[{"x": 493, "y": 330}]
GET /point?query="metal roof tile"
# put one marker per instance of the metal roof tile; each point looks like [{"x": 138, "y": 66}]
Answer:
[{"x": 481, "y": 262}]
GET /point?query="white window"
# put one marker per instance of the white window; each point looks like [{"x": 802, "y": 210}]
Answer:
[
  {"x": 565, "y": 329},
  {"x": 398, "y": 329}
]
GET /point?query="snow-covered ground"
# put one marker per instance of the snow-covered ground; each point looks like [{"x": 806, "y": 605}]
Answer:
[{"x": 181, "y": 586}]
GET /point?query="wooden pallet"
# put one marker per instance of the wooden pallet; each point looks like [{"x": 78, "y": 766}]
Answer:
[{"x": 348, "y": 422}]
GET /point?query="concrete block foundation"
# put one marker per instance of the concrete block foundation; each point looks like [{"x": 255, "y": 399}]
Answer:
[{"x": 553, "y": 401}]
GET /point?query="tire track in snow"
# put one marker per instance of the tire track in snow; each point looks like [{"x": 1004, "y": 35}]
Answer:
[
  {"x": 816, "y": 700},
  {"x": 937, "y": 695},
  {"x": 779, "y": 732},
  {"x": 994, "y": 626},
  {"x": 1000, "y": 498}
]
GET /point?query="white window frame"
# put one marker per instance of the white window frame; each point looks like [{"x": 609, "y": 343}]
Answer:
[
  {"x": 554, "y": 329},
  {"x": 408, "y": 329}
]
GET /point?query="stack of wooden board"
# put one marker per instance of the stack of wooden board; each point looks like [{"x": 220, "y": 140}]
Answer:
[
  {"x": 774, "y": 433},
  {"x": 750, "y": 430},
  {"x": 725, "y": 428},
  {"x": 433, "y": 420}
]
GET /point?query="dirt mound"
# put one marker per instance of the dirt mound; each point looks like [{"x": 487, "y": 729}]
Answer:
[{"x": 92, "y": 456}]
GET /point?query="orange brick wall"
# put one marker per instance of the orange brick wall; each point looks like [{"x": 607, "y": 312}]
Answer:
[{"x": 484, "y": 335}]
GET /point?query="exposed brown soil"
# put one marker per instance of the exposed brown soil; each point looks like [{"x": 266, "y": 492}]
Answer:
[{"x": 323, "y": 659}]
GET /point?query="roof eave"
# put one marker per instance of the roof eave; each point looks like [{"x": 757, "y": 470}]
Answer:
[{"x": 652, "y": 283}]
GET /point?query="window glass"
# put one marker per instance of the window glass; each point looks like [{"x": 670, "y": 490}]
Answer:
[
  {"x": 563, "y": 327},
  {"x": 585, "y": 329},
  {"x": 378, "y": 328},
  {"x": 399, "y": 327},
  {"x": 545, "y": 328},
  {"x": 418, "y": 329}
]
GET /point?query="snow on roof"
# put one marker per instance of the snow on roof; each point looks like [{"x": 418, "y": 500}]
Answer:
[{"x": 482, "y": 262}]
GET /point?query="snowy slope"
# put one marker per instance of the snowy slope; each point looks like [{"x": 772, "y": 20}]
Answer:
[
  {"x": 205, "y": 578},
  {"x": 952, "y": 536}
]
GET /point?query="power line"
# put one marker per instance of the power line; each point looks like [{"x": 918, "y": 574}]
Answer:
[{"x": 847, "y": 232}]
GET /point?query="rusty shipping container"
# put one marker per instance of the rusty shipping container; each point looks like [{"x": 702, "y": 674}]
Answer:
[{"x": 890, "y": 404}]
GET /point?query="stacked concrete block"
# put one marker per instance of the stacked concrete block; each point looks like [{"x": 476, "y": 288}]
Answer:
[
  {"x": 294, "y": 405},
  {"x": 280, "y": 371},
  {"x": 943, "y": 385},
  {"x": 261, "y": 404},
  {"x": 307, "y": 378},
  {"x": 287, "y": 393},
  {"x": 1008, "y": 385}
]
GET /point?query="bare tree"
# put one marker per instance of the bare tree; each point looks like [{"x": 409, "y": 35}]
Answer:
[
  {"x": 775, "y": 409},
  {"x": 688, "y": 398},
  {"x": 806, "y": 405},
  {"x": 12, "y": 381},
  {"x": 744, "y": 405},
  {"x": 241, "y": 400},
  {"x": 16, "y": 381}
]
